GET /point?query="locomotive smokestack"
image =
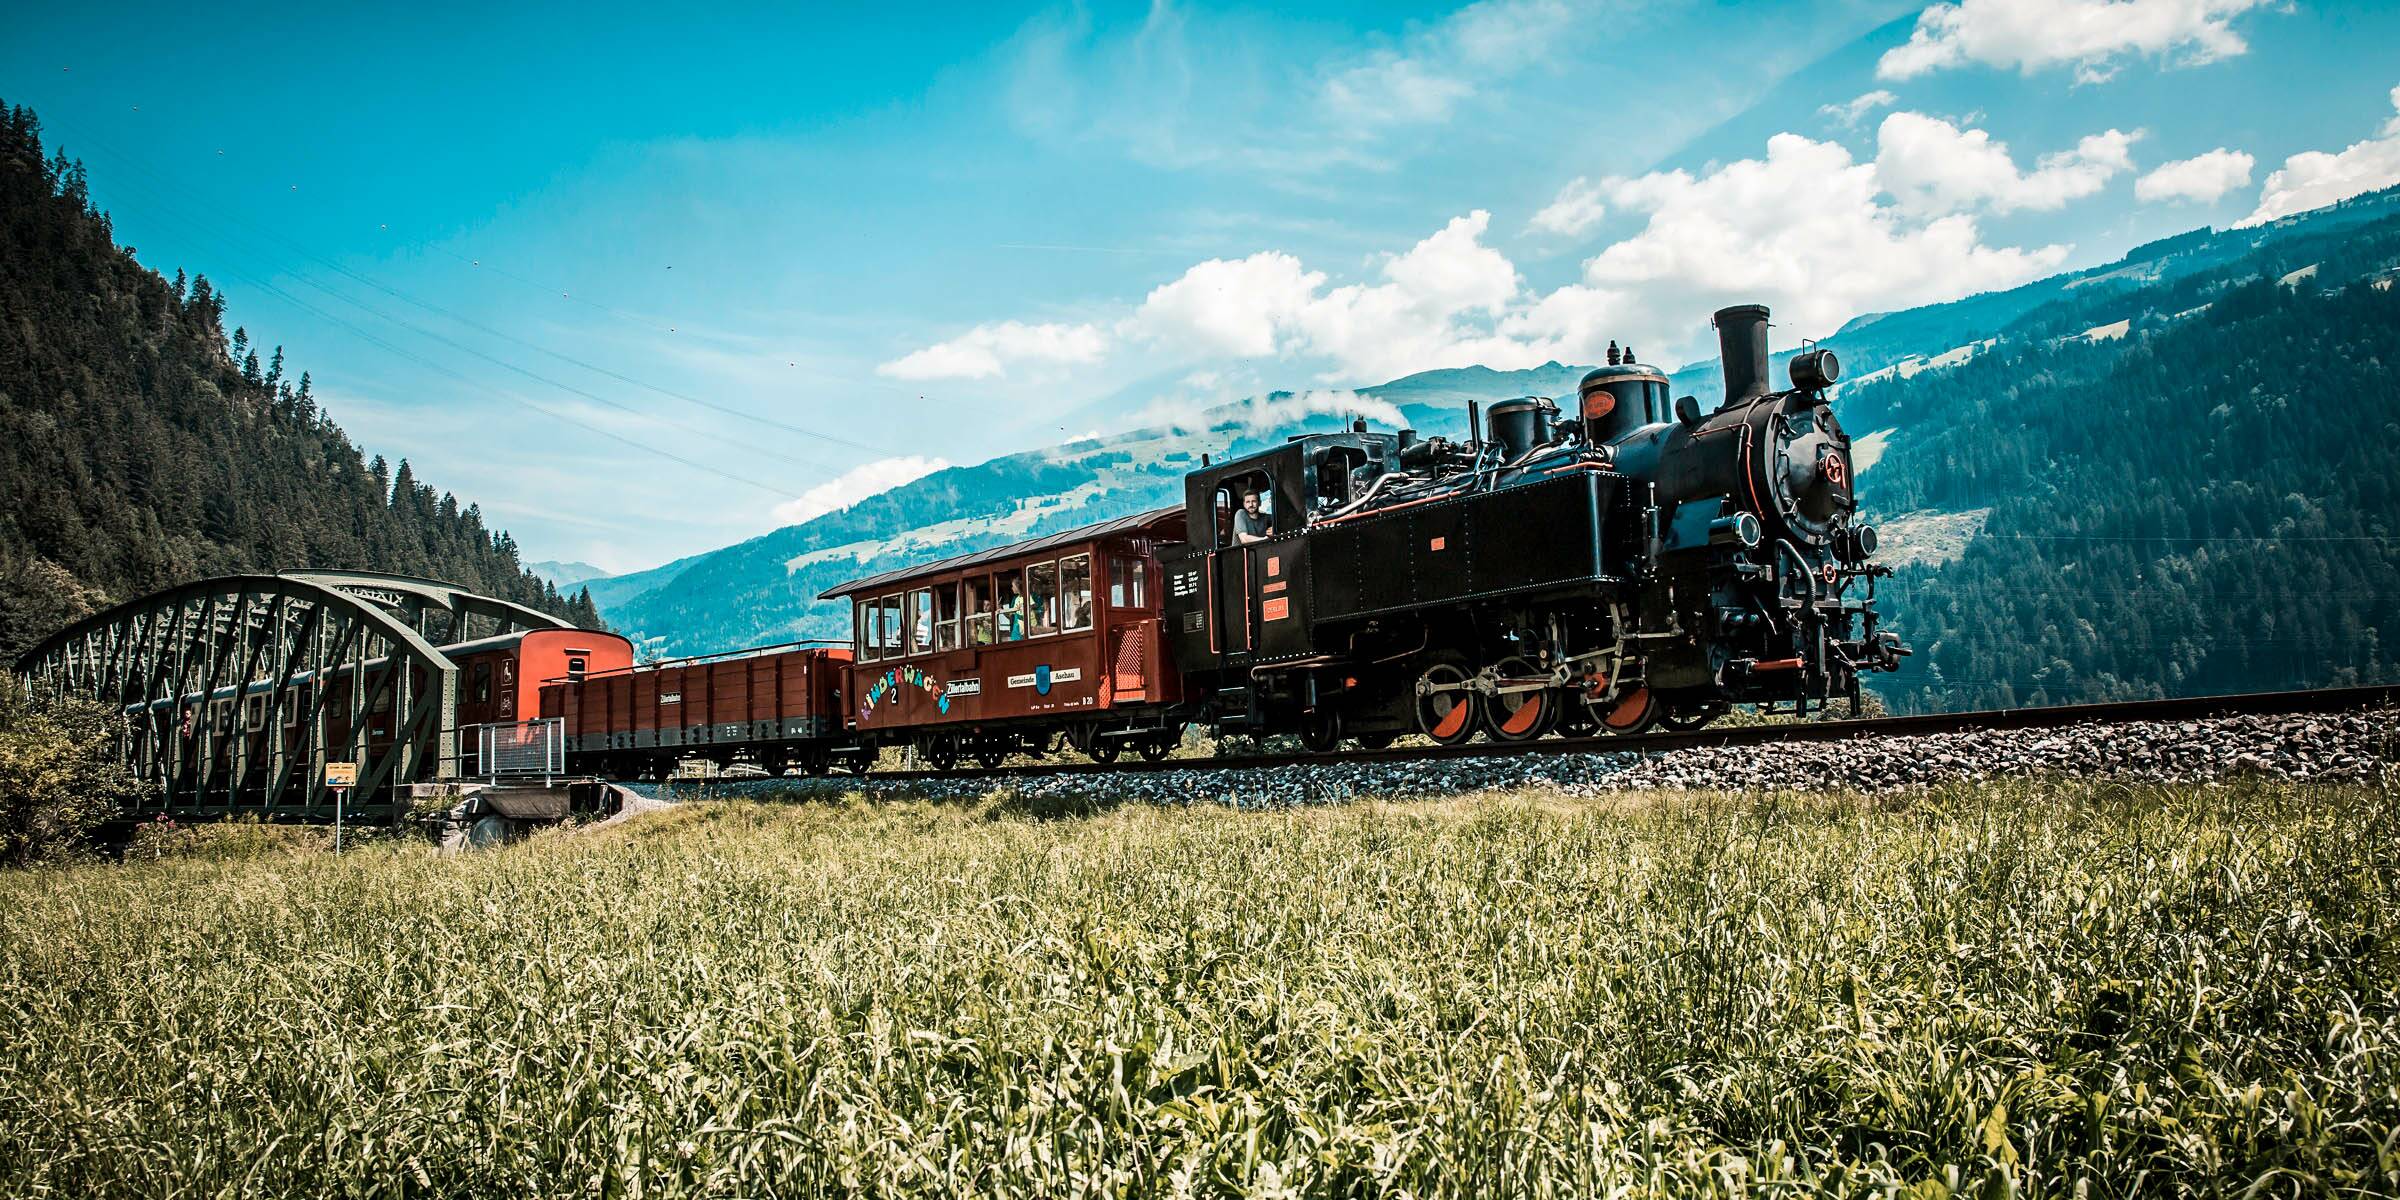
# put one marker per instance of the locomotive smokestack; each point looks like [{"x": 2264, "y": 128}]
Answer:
[{"x": 1742, "y": 348}]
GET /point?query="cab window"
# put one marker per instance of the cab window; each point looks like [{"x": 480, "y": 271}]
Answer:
[
  {"x": 483, "y": 683},
  {"x": 1041, "y": 598},
  {"x": 1235, "y": 522}
]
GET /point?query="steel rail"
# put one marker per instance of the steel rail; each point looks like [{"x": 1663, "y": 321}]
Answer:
[{"x": 2314, "y": 700}]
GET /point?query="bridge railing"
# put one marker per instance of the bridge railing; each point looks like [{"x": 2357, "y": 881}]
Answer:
[{"x": 513, "y": 749}]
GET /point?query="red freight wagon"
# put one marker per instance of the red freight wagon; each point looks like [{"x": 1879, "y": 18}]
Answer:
[
  {"x": 778, "y": 706},
  {"x": 1010, "y": 648}
]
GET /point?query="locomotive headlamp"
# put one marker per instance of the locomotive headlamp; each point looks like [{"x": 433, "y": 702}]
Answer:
[
  {"x": 1815, "y": 369},
  {"x": 1740, "y": 529}
]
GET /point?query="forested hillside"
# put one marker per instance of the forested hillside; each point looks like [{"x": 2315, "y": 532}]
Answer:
[
  {"x": 2208, "y": 503},
  {"x": 141, "y": 446}
]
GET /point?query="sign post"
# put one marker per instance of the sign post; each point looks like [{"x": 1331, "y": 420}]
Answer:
[{"x": 340, "y": 777}]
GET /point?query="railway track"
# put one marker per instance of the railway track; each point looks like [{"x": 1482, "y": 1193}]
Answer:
[{"x": 2317, "y": 700}]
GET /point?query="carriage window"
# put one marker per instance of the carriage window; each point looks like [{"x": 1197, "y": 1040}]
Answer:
[
  {"x": 864, "y": 626},
  {"x": 887, "y": 621},
  {"x": 920, "y": 621},
  {"x": 1010, "y": 585},
  {"x": 254, "y": 713},
  {"x": 1041, "y": 598},
  {"x": 1125, "y": 582},
  {"x": 979, "y": 610},
  {"x": 1075, "y": 591},
  {"x": 945, "y": 616},
  {"x": 483, "y": 682}
]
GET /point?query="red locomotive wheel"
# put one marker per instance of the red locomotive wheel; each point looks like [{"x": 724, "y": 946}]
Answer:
[
  {"x": 1448, "y": 717},
  {"x": 1520, "y": 716},
  {"x": 1632, "y": 714}
]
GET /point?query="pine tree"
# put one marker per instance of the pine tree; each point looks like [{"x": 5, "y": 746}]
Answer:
[{"x": 275, "y": 369}]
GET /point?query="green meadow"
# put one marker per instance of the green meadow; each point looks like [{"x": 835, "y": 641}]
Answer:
[{"x": 2052, "y": 989}]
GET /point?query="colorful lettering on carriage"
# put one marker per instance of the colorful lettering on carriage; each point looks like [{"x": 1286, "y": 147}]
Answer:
[{"x": 897, "y": 677}]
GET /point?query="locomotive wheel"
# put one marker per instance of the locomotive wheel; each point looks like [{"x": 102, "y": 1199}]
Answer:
[
  {"x": 1634, "y": 712},
  {"x": 1157, "y": 749},
  {"x": 1377, "y": 741},
  {"x": 1520, "y": 716},
  {"x": 1446, "y": 717},
  {"x": 1684, "y": 720},
  {"x": 1575, "y": 717},
  {"x": 1104, "y": 751},
  {"x": 1321, "y": 729}
]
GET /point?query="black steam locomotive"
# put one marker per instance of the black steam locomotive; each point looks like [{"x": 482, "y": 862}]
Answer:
[{"x": 1629, "y": 563}]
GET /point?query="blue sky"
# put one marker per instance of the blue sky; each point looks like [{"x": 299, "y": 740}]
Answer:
[{"x": 646, "y": 282}]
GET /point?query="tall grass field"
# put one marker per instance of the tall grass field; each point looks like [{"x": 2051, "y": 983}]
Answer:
[{"x": 2039, "y": 989}]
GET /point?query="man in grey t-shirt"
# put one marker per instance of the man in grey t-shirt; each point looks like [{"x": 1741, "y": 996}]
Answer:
[{"x": 1250, "y": 524}]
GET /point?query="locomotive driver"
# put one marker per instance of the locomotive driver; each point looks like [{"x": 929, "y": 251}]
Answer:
[{"x": 1250, "y": 524}]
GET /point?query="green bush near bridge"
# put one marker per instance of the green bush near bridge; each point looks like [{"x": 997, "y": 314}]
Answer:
[{"x": 2027, "y": 986}]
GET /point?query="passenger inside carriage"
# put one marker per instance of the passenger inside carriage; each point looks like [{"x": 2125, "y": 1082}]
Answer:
[
  {"x": 979, "y": 610},
  {"x": 1012, "y": 606}
]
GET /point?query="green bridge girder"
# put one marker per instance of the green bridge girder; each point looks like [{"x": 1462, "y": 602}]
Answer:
[{"x": 236, "y": 690}]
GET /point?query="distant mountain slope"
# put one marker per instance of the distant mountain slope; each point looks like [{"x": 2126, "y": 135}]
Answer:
[
  {"x": 1963, "y": 413},
  {"x": 140, "y": 448},
  {"x": 565, "y": 574}
]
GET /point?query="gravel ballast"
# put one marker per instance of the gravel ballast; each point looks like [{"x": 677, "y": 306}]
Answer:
[{"x": 2334, "y": 747}]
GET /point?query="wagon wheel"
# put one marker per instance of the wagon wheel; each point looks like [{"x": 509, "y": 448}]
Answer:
[
  {"x": 990, "y": 757},
  {"x": 1520, "y": 716},
  {"x": 1103, "y": 751},
  {"x": 859, "y": 763},
  {"x": 816, "y": 764},
  {"x": 1321, "y": 729},
  {"x": 942, "y": 752},
  {"x": 1447, "y": 717},
  {"x": 1634, "y": 712},
  {"x": 1157, "y": 749}
]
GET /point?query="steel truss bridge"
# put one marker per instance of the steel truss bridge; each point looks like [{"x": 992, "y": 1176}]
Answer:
[{"x": 236, "y": 690}]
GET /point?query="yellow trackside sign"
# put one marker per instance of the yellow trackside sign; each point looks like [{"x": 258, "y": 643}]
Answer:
[{"x": 341, "y": 774}]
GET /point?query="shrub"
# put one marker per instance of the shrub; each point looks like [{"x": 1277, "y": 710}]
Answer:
[{"x": 59, "y": 775}]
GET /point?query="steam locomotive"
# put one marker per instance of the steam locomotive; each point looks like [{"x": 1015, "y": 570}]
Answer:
[{"x": 1619, "y": 564}]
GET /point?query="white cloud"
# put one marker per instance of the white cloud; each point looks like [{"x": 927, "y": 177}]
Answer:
[
  {"x": 1804, "y": 230},
  {"x": 1425, "y": 314},
  {"x": 986, "y": 351},
  {"x": 2316, "y": 178},
  {"x": 1436, "y": 69},
  {"x": 2201, "y": 179},
  {"x": 1808, "y": 230},
  {"x": 2089, "y": 34},
  {"x": 1932, "y": 167},
  {"x": 855, "y": 485},
  {"x": 1849, "y": 112},
  {"x": 1576, "y": 209},
  {"x": 1270, "y": 412}
]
